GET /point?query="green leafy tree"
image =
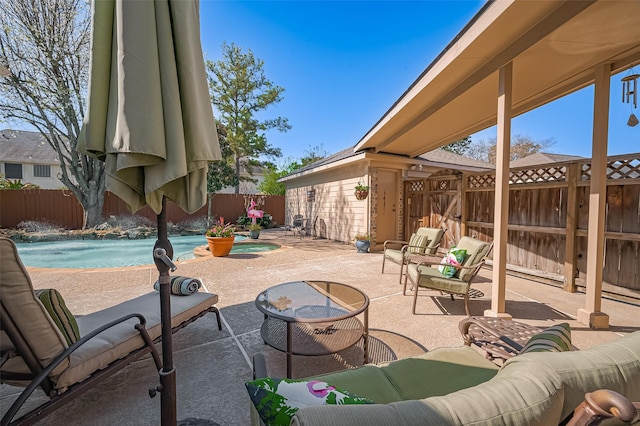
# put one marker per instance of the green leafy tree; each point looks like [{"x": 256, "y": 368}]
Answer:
[
  {"x": 458, "y": 147},
  {"x": 44, "y": 45},
  {"x": 239, "y": 90},
  {"x": 270, "y": 184}
]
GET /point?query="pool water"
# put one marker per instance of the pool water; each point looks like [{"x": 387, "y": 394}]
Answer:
[{"x": 104, "y": 253}]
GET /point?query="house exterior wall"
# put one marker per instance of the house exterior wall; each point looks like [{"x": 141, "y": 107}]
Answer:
[
  {"x": 51, "y": 182},
  {"x": 340, "y": 215}
]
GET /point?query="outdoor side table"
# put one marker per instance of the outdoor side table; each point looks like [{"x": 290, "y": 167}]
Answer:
[{"x": 313, "y": 318}]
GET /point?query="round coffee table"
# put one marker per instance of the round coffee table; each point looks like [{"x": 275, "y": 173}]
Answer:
[{"x": 313, "y": 318}]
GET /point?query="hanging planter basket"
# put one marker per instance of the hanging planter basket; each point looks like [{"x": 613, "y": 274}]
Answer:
[{"x": 361, "y": 194}]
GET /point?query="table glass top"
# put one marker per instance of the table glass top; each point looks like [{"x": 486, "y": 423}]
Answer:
[{"x": 312, "y": 301}]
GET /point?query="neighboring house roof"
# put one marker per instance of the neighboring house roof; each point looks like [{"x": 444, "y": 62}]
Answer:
[
  {"x": 17, "y": 146},
  {"x": 554, "y": 47},
  {"x": 543, "y": 158},
  {"x": 442, "y": 157}
]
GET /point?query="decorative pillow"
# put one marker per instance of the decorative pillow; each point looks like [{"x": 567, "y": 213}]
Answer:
[
  {"x": 278, "y": 400},
  {"x": 553, "y": 339},
  {"x": 417, "y": 243},
  {"x": 454, "y": 257},
  {"x": 181, "y": 286},
  {"x": 61, "y": 316}
]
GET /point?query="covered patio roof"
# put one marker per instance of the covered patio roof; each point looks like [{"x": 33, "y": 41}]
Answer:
[
  {"x": 554, "y": 47},
  {"x": 512, "y": 57}
]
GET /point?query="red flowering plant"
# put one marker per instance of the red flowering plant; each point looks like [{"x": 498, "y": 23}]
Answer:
[{"x": 220, "y": 229}]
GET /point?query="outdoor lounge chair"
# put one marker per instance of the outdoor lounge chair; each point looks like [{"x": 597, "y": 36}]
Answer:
[
  {"x": 423, "y": 241},
  {"x": 36, "y": 353},
  {"x": 424, "y": 272}
]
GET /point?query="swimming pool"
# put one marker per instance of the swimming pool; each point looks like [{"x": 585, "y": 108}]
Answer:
[{"x": 104, "y": 253}]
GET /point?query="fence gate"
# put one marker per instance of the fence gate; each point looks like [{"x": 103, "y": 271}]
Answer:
[{"x": 434, "y": 203}]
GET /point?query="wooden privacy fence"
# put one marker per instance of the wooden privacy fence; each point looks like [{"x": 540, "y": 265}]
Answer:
[
  {"x": 61, "y": 208},
  {"x": 548, "y": 216}
]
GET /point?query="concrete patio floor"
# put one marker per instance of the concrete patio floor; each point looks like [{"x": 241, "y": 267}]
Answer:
[{"x": 213, "y": 365}]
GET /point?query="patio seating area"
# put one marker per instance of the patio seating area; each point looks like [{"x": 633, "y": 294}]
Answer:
[{"x": 213, "y": 365}]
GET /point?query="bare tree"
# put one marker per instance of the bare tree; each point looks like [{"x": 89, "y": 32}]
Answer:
[
  {"x": 45, "y": 46},
  {"x": 521, "y": 146}
]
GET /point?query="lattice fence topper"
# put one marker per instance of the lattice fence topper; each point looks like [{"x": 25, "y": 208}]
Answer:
[
  {"x": 416, "y": 186},
  {"x": 616, "y": 169},
  {"x": 481, "y": 181},
  {"x": 443, "y": 185},
  {"x": 546, "y": 174}
]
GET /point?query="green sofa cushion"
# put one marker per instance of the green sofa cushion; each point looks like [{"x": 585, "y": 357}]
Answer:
[
  {"x": 368, "y": 382},
  {"x": 437, "y": 372},
  {"x": 525, "y": 397}
]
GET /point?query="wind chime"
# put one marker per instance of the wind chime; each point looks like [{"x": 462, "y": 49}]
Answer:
[{"x": 630, "y": 95}]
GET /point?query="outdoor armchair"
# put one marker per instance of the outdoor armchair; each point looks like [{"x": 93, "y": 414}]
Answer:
[
  {"x": 423, "y": 241},
  {"x": 38, "y": 351},
  {"x": 423, "y": 271}
]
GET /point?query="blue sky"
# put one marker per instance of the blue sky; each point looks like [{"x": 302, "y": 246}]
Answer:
[{"x": 344, "y": 63}]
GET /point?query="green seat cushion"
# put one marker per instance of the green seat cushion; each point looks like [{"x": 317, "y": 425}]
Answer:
[
  {"x": 394, "y": 255},
  {"x": 368, "y": 381},
  {"x": 61, "y": 316},
  {"x": 439, "y": 372},
  {"x": 430, "y": 277},
  {"x": 436, "y": 372}
]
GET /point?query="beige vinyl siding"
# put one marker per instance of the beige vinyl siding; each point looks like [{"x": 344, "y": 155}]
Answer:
[{"x": 340, "y": 215}]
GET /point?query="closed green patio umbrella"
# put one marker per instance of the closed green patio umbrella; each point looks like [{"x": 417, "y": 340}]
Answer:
[{"x": 149, "y": 119}]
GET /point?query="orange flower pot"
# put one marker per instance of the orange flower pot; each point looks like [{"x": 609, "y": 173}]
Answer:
[{"x": 220, "y": 246}]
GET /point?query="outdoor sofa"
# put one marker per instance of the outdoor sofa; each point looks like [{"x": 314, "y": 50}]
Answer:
[
  {"x": 36, "y": 347},
  {"x": 459, "y": 386}
]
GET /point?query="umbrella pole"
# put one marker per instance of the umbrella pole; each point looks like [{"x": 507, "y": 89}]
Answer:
[{"x": 162, "y": 254}]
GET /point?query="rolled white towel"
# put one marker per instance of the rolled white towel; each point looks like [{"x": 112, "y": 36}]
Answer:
[{"x": 181, "y": 286}]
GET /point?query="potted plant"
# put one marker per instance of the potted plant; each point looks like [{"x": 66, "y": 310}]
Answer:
[
  {"x": 363, "y": 243},
  {"x": 220, "y": 238},
  {"x": 254, "y": 231},
  {"x": 362, "y": 191}
]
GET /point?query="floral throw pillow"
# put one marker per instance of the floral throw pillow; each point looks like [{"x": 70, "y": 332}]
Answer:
[
  {"x": 454, "y": 257},
  {"x": 278, "y": 400}
]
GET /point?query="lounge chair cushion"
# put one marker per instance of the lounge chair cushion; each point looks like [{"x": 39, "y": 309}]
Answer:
[
  {"x": 277, "y": 400},
  {"x": 556, "y": 338},
  {"x": 20, "y": 302},
  {"x": 123, "y": 339},
  {"x": 64, "y": 319}
]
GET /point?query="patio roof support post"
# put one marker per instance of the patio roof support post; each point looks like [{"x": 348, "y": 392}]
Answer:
[
  {"x": 591, "y": 314},
  {"x": 501, "y": 204}
]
